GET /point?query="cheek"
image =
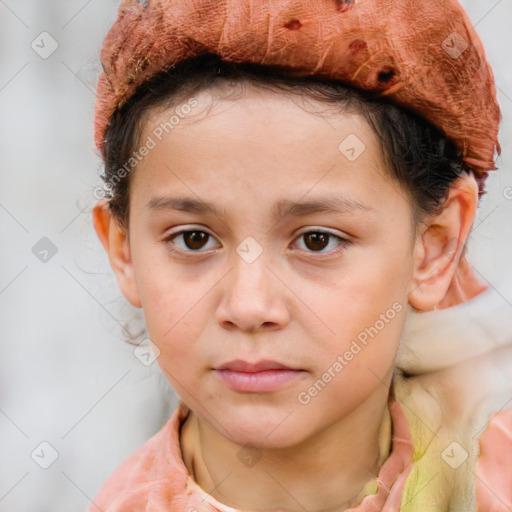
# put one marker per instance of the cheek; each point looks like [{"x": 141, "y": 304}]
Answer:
[
  {"x": 173, "y": 311},
  {"x": 360, "y": 358},
  {"x": 174, "y": 319},
  {"x": 371, "y": 279},
  {"x": 173, "y": 302},
  {"x": 365, "y": 310},
  {"x": 365, "y": 328}
]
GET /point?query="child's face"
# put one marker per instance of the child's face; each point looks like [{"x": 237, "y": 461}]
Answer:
[{"x": 255, "y": 288}]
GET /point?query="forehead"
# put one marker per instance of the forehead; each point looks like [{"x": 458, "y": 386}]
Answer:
[{"x": 262, "y": 144}]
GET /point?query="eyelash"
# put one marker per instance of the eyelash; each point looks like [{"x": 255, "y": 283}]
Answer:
[{"x": 172, "y": 246}]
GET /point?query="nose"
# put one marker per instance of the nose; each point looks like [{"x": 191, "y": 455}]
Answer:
[{"x": 254, "y": 296}]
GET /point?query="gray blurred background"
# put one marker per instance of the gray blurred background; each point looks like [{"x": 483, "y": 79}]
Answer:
[{"x": 74, "y": 398}]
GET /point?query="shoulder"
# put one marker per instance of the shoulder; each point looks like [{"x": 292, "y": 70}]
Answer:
[
  {"x": 494, "y": 466},
  {"x": 461, "y": 423},
  {"x": 154, "y": 465}
]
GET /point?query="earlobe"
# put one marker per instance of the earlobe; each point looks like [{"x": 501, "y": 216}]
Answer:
[
  {"x": 440, "y": 244},
  {"x": 114, "y": 239}
]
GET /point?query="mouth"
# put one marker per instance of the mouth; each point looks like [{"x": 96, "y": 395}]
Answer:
[{"x": 260, "y": 377}]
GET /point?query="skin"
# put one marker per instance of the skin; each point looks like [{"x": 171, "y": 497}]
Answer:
[{"x": 298, "y": 303}]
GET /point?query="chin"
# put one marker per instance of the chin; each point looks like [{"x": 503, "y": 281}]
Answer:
[{"x": 263, "y": 429}]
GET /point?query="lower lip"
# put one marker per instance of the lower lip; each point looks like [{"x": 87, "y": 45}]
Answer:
[{"x": 258, "y": 382}]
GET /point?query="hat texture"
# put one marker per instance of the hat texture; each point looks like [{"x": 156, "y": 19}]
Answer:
[{"x": 424, "y": 55}]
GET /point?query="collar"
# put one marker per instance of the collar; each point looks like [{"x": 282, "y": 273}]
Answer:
[
  {"x": 436, "y": 339},
  {"x": 388, "y": 485}
]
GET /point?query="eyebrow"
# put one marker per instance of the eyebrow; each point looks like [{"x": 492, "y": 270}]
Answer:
[{"x": 325, "y": 204}]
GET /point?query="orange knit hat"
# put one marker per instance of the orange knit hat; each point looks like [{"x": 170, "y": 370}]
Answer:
[{"x": 422, "y": 54}]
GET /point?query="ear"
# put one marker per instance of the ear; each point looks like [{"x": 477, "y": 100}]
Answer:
[
  {"x": 114, "y": 239},
  {"x": 440, "y": 243}
]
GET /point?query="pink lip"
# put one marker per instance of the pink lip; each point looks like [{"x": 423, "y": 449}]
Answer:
[
  {"x": 243, "y": 366},
  {"x": 258, "y": 377}
]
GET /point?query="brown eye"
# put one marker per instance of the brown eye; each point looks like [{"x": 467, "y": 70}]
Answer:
[
  {"x": 195, "y": 239},
  {"x": 317, "y": 241},
  {"x": 192, "y": 240}
]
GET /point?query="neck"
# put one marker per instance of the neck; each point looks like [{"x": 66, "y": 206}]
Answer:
[{"x": 332, "y": 470}]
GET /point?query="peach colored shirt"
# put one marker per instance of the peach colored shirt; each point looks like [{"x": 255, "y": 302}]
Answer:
[{"x": 155, "y": 479}]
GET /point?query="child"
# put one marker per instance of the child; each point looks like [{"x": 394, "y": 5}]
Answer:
[{"x": 291, "y": 184}]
